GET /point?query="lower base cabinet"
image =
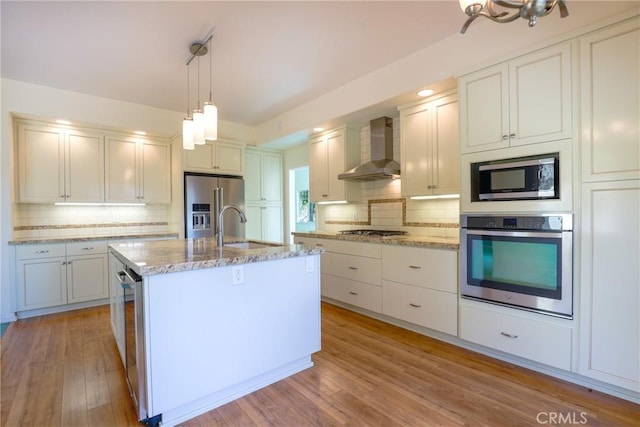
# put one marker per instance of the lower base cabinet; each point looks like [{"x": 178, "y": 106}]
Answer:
[
  {"x": 539, "y": 340},
  {"x": 56, "y": 274}
]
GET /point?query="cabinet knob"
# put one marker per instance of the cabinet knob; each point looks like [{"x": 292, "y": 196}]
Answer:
[
  {"x": 513, "y": 135},
  {"x": 505, "y": 137}
]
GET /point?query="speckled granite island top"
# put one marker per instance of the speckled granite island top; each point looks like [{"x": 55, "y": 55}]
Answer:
[
  {"x": 170, "y": 256},
  {"x": 452, "y": 243}
]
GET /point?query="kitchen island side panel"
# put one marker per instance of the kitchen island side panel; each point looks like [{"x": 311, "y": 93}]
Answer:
[{"x": 205, "y": 334}]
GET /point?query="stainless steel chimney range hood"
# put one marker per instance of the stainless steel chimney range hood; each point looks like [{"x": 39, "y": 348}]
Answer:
[{"x": 382, "y": 165}]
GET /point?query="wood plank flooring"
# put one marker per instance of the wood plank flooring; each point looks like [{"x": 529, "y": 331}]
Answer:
[{"x": 64, "y": 370}]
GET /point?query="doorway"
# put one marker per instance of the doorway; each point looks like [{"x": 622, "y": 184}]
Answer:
[{"x": 302, "y": 211}]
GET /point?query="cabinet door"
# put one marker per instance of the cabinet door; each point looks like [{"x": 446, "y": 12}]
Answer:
[
  {"x": 84, "y": 169},
  {"x": 40, "y": 164},
  {"x": 121, "y": 170},
  {"x": 253, "y": 177},
  {"x": 610, "y": 97},
  {"x": 87, "y": 278},
  {"x": 116, "y": 300},
  {"x": 540, "y": 96},
  {"x": 272, "y": 177},
  {"x": 336, "y": 165},
  {"x": 272, "y": 223},
  {"x": 253, "y": 226},
  {"x": 229, "y": 158},
  {"x": 318, "y": 170},
  {"x": 484, "y": 109},
  {"x": 415, "y": 128},
  {"x": 610, "y": 284},
  {"x": 201, "y": 158},
  {"x": 445, "y": 147},
  {"x": 41, "y": 283},
  {"x": 155, "y": 172}
]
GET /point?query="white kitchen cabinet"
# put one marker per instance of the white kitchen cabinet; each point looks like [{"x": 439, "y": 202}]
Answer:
[
  {"x": 430, "y": 148},
  {"x": 59, "y": 164},
  {"x": 420, "y": 285},
  {"x": 523, "y": 101},
  {"x": 517, "y": 333},
  {"x": 351, "y": 273},
  {"x": 330, "y": 154},
  {"x": 217, "y": 157},
  {"x": 610, "y": 102},
  {"x": 264, "y": 222},
  {"x": 138, "y": 170},
  {"x": 58, "y": 274},
  {"x": 610, "y": 283},
  {"x": 263, "y": 195}
]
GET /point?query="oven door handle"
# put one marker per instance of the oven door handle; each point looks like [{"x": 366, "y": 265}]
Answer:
[{"x": 514, "y": 233}]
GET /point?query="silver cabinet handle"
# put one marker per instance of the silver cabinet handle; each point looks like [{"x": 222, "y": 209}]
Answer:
[
  {"x": 415, "y": 267},
  {"x": 504, "y": 334},
  {"x": 88, "y": 248},
  {"x": 46, "y": 251},
  {"x": 353, "y": 268},
  {"x": 319, "y": 244},
  {"x": 353, "y": 293},
  {"x": 415, "y": 305}
]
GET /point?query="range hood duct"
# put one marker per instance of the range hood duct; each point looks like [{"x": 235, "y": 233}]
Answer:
[{"x": 382, "y": 165}]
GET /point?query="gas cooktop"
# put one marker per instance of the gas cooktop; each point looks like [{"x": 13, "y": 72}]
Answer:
[{"x": 374, "y": 232}]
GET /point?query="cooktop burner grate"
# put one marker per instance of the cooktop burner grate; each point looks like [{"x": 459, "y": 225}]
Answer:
[{"x": 374, "y": 232}]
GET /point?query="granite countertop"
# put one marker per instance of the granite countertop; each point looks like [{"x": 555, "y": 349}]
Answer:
[
  {"x": 452, "y": 243},
  {"x": 170, "y": 256},
  {"x": 45, "y": 240}
]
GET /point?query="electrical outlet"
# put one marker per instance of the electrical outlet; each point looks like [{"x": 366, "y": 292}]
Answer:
[
  {"x": 310, "y": 265},
  {"x": 237, "y": 274}
]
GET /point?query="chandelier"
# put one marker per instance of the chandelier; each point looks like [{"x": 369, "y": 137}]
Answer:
[
  {"x": 527, "y": 9},
  {"x": 202, "y": 124}
]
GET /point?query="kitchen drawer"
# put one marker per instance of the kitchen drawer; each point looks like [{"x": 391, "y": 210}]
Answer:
[
  {"x": 425, "y": 307},
  {"x": 371, "y": 250},
  {"x": 40, "y": 251},
  {"x": 538, "y": 340},
  {"x": 430, "y": 268},
  {"x": 355, "y": 293},
  {"x": 356, "y": 268},
  {"x": 87, "y": 247}
]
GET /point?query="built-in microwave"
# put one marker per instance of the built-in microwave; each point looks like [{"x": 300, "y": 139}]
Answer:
[{"x": 523, "y": 178}]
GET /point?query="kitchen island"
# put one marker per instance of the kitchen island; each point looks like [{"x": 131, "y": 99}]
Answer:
[{"x": 212, "y": 323}]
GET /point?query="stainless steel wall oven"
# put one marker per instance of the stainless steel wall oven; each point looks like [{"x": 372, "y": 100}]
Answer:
[{"x": 524, "y": 261}]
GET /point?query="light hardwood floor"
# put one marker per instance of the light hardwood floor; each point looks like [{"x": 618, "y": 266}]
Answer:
[{"x": 64, "y": 370}]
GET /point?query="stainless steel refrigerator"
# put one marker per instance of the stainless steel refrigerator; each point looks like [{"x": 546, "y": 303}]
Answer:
[{"x": 201, "y": 207}]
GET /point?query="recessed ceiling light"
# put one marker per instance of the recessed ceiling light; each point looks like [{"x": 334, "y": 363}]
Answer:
[
  {"x": 425, "y": 92},
  {"x": 63, "y": 122},
  {"x": 318, "y": 129},
  {"x": 140, "y": 132}
]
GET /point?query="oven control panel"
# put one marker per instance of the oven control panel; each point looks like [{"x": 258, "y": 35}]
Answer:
[{"x": 557, "y": 222}]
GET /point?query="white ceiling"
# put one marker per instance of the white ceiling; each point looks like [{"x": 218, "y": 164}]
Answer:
[{"x": 268, "y": 57}]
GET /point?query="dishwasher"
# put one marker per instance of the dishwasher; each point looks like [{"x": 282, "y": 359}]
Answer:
[{"x": 135, "y": 365}]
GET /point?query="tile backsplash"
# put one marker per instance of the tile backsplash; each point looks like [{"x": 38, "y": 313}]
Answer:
[
  {"x": 381, "y": 205},
  {"x": 46, "y": 220}
]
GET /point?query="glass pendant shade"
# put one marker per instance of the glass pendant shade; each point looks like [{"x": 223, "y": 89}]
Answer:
[
  {"x": 210, "y": 121},
  {"x": 466, "y": 3},
  {"x": 187, "y": 134},
  {"x": 198, "y": 127}
]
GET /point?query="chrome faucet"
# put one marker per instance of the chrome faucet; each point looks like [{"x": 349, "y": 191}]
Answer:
[{"x": 220, "y": 230}]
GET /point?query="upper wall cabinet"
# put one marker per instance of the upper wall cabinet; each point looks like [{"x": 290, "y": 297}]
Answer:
[
  {"x": 57, "y": 164},
  {"x": 138, "y": 170},
  {"x": 430, "y": 148},
  {"x": 523, "y": 101},
  {"x": 330, "y": 154},
  {"x": 610, "y": 103},
  {"x": 219, "y": 157},
  {"x": 264, "y": 176}
]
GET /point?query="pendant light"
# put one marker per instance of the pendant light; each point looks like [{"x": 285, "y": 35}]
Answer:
[{"x": 203, "y": 124}]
